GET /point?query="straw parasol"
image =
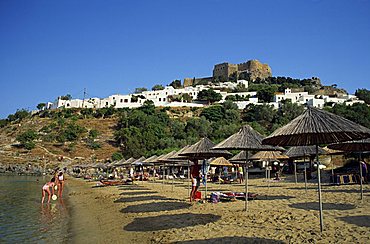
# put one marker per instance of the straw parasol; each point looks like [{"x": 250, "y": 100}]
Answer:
[
  {"x": 354, "y": 146},
  {"x": 203, "y": 150},
  {"x": 128, "y": 162},
  {"x": 220, "y": 161},
  {"x": 121, "y": 162},
  {"x": 302, "y": 152},
  {"x": 150, "y": 159},
  {"x": 314, "y": 127},
  {"x": 245, "y": 139},
  {"x": 269, "y": 155},
  {"x": 239, "y": 158}
]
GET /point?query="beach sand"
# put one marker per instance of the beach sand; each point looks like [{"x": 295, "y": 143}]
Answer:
[{"x": 152, "y": 212}]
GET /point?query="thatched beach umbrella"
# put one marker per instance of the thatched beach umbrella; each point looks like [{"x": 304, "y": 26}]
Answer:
[
  {"x": 245, "y": 139},
  {"x": 315, "y": 127},
  {"x": 269, "y": 155},
  {"x": 239, "y": 158},
  {"x": 302, "y": 152},
  {"x": 221, "y": 161},
  {"x": 203, "y": 149},
  {"x": 354, "y": 146},
  {"x": 121, "y": 162},
  {"x": 163, "y": 159}
]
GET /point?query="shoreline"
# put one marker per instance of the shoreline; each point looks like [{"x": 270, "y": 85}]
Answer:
[{"x": 151, "y": 212}]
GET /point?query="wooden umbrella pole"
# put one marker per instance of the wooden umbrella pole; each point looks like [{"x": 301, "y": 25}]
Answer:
[
  {"x": 188, "y": 178},
  {"x": 246, "y": 180},
  {"x": 295, "y": 172},
  {"x": 205, "y": 180},
  {"x": 319, "y": 189},
  {"x": 361, "y": 189},
  {"x": 173, "y": 175},
  {"x": 305, "y": 172},
  {"x": 269, "y": 175},
  {"x": 332, "y": 168},
  {"x": 163, "y": 175}
]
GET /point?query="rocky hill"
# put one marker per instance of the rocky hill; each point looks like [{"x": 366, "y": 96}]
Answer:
[{"x": 44, "y": 151}]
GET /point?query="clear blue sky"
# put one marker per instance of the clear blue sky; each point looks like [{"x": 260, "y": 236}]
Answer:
[{"x": 51, "y": 48}]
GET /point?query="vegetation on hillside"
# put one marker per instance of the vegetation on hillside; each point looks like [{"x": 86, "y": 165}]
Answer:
[
  {"x": 363, "y": 94},
  {"x": 148, "y": 130}
]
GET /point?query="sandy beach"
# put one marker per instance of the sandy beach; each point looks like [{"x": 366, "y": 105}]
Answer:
[{"x": 152, "y": 212}]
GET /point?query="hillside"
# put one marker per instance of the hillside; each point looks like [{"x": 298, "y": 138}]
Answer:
[
  {"x": 86, "y": 135},
  {"x": 52, "y": 151}
]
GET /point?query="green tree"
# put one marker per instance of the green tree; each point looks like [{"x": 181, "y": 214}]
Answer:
[
  {"x": 41, "y": 106},
  {"x": 117, "y": 156},
  {"x": 209, "y": 95},
  {"x": 176, "y": 84},
  {"x": 213, "y": 113},
  {"x": 3, "y": 123},
  {"x": 288, "y": 111},
  {"x": 19, "y": 115},
  {"x": 27, "y": 138},
  {"x": 140, "y": 90},
  {"x": 157, "y": 87},
  {"x": 363, "y": 94},
  {"x": 66, "y": 97},
  {"x": 266, "y": 94},
  {"x": 185, "y": 97}
]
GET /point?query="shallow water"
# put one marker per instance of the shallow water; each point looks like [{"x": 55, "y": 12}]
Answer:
[{"x": 24, "y": 219}]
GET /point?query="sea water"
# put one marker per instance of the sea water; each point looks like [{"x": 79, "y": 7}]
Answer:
[{"x": 23, "y": 219}]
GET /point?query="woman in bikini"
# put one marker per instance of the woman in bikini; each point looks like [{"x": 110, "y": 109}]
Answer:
[
  {"x": 60, "y": 184},
  {"x": 46, "y": 189}
]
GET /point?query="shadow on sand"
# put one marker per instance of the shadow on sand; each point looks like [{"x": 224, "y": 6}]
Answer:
[
  {"x": 155, "y": 207},
  {"x": 279, "y": 197},
  {"x": 133, "y": 193},
  {"x": 232, "y": 240},
  {"x": 345, "y": 190},
  {"x": 165, "y": 222},
  {"x": 325, "y": 206},
  {"x": 133, "y": 188},
  {"x": 141, "y": 198},
  {"x": 362, "y": 220},
  {"x": 302, "y": 188}
]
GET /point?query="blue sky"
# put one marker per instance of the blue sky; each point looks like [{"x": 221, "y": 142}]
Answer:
[{"x": 51, "y": 48}]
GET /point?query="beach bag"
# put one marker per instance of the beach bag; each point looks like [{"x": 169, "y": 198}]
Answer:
[
  {"x": 215, "y": 198},
  {"x": 198, "y": 195}
]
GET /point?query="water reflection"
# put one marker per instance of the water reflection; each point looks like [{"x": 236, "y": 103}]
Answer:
[{"x": 23, "y": 219}]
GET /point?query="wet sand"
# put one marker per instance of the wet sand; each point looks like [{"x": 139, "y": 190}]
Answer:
[{"x": 152, "y": 212}]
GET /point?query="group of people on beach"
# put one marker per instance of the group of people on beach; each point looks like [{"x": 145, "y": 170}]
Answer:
[{"x": 56, "y": 183}]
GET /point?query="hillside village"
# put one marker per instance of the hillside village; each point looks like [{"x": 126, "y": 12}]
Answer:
[{"x": 229, "y": 80}]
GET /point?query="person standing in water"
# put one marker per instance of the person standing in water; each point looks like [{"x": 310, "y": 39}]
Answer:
[
  {"x": 195, "y": 179},
  {"x": 46, "y": 189},
  {"x": 61, "y": 180}
]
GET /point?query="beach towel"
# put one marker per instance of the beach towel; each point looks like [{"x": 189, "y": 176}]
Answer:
[{"x": 204, "y": 170}]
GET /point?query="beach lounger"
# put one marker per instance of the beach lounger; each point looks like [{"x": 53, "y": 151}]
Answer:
[{"x": 113, "y": 182}]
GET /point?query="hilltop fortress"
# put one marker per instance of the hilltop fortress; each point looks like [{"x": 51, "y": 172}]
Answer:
[{"x": 223, "y": 72}]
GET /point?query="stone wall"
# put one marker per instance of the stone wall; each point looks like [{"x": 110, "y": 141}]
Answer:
[
  {"x": 251, "y": 70},
  {"x": 223, "y": 71}
]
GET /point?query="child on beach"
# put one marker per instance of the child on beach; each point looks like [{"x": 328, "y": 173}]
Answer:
[{"x": 46, "y": 189}]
